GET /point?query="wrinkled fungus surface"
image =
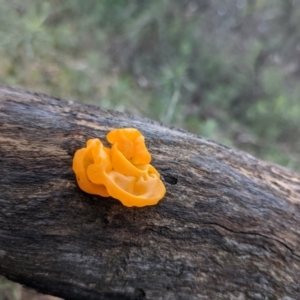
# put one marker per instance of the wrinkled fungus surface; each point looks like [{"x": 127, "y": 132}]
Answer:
[{"x": 122, "y": 171}]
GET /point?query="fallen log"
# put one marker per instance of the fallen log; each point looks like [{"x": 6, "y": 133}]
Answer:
[{"x": 228, "y": 227}]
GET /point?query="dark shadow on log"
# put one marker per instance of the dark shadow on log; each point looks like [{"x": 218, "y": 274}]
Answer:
[{"x": 228, "y": 228}]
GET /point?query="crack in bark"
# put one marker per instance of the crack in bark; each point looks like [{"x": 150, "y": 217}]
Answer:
[{"x": 255, "y": 233}]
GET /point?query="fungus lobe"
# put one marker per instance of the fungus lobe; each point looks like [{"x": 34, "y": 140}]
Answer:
[{"x": 122, "y": 172}]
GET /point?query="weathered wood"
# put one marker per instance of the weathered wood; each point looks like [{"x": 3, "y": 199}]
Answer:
[{"x": 228, "y": 228}]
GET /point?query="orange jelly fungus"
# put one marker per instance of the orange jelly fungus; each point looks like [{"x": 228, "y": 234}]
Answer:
[{"x": 122, "y": 172}]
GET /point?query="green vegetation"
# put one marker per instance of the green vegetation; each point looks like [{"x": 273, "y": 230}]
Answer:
[
  {"x": 228, "y": 70},
  {"x": 9, "y": 290}
]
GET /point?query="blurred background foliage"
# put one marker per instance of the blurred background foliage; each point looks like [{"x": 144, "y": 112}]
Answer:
[{"x": 225, "y": 69}]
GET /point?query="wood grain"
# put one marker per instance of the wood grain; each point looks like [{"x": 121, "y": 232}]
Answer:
[{"x": 228, "y": 228}]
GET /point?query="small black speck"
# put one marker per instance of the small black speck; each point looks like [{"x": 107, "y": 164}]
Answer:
[{"x": 171, "y": 179}]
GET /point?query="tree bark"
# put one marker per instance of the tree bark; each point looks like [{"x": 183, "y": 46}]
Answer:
[{"x": 228, "y": 227}]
